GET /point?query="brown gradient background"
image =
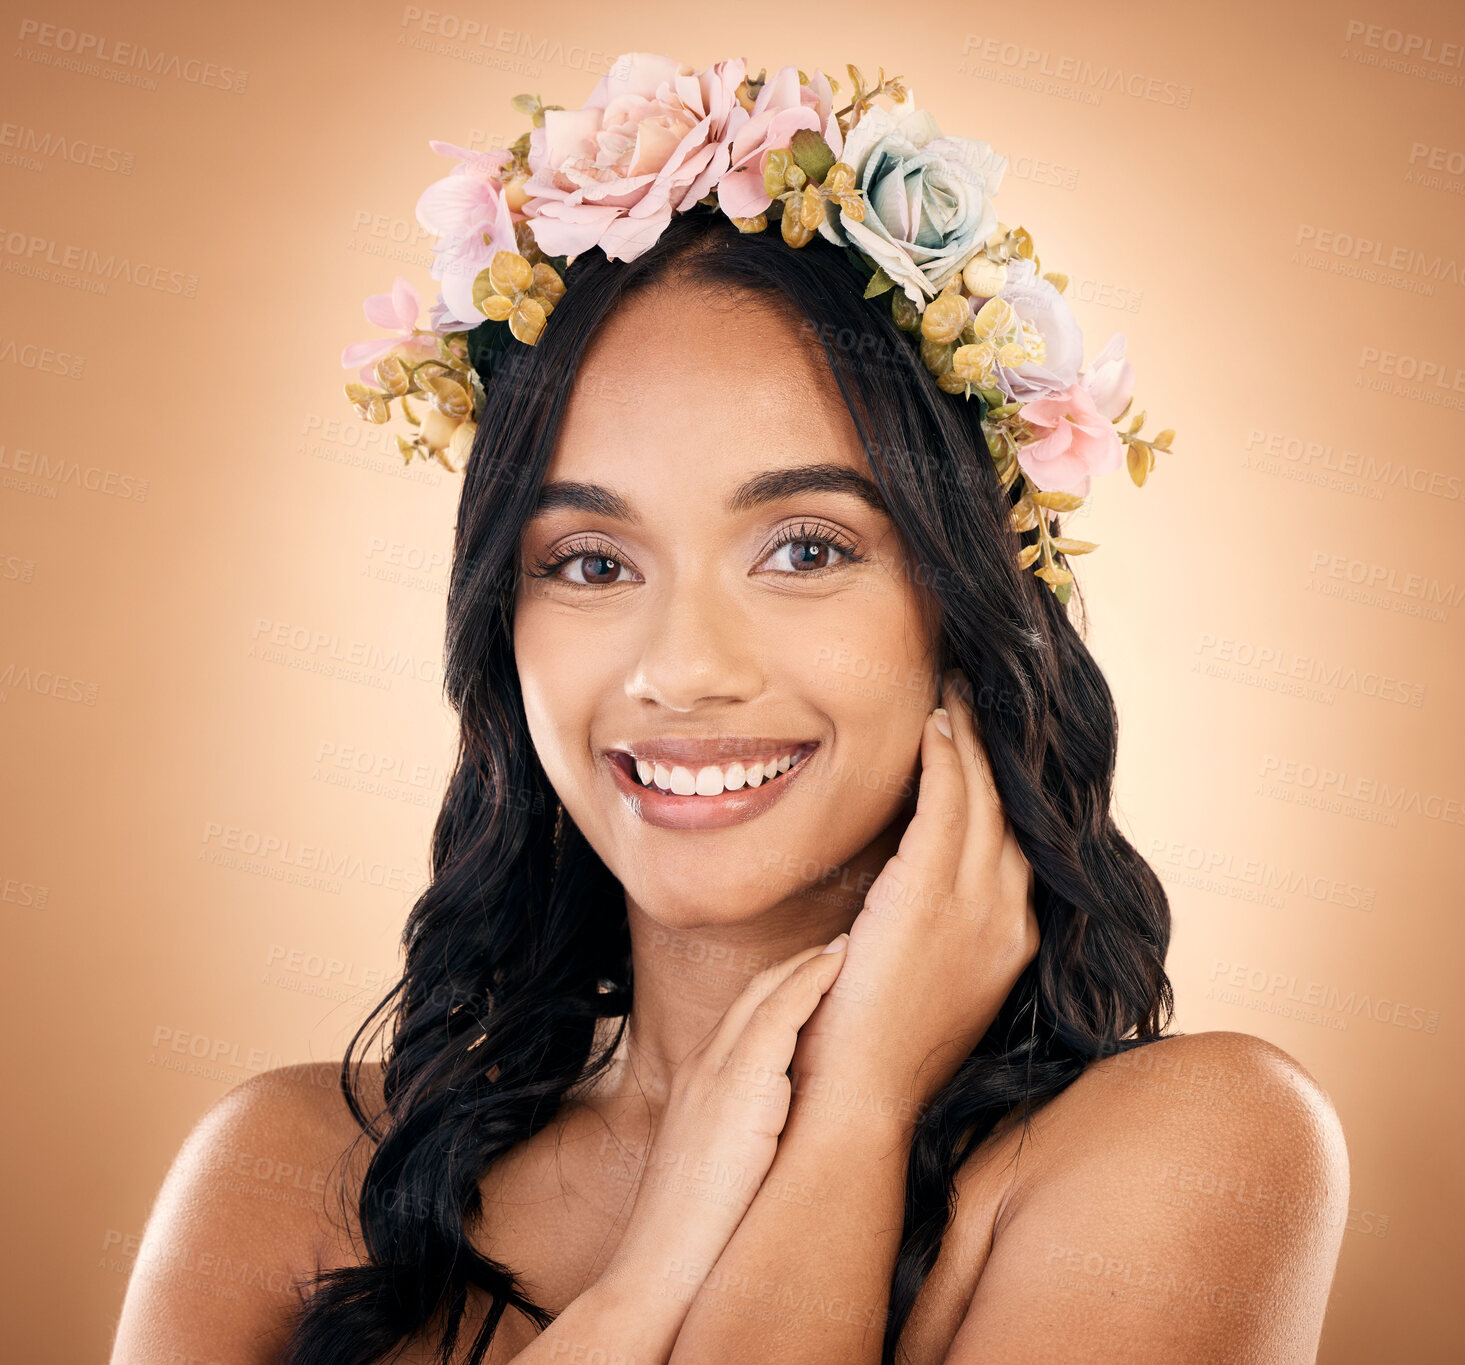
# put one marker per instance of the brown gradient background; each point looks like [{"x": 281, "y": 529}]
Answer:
[{"x": 147, "y": 973}]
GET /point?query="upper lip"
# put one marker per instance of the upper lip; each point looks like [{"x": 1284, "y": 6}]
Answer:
[{"x": 718, "y": 750}]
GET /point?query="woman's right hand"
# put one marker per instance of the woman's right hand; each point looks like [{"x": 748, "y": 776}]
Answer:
[{"x": 727, "y": 1103}]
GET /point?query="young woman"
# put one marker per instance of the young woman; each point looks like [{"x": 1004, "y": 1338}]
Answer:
[{"x": 744, "y": 665}]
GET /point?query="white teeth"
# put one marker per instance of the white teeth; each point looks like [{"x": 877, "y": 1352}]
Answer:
[{"x": 710, "y": 780}]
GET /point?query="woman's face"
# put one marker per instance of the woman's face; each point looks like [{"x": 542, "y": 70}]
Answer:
[{"x": 658, "y": 617}]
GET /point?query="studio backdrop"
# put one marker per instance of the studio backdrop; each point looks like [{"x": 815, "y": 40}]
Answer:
[{"x": 222, "y": 593}]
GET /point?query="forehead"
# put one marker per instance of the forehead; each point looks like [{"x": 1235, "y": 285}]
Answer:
[{"x": 690, "y": 387}]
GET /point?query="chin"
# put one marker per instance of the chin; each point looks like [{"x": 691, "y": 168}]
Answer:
[{"x": 703, "y": 895}]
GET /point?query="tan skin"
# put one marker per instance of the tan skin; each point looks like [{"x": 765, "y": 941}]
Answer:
[{"x": 1185, "y": 1202}]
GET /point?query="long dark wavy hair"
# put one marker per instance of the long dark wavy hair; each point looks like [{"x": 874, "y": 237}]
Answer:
[{"x": 520, "y": 942}]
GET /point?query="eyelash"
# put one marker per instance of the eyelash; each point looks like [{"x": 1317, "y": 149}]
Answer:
[{"x": 791, "y": 535}]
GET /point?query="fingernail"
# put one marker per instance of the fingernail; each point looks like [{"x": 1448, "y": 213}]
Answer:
[
  {"x": 943, "y": 721},
  {"x": 834, "y": 945}
]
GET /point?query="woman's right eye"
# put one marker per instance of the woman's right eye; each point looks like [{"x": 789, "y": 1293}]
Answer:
[
  {"x": 601, "y": 567},
  {"x": 600, "y": 570}
]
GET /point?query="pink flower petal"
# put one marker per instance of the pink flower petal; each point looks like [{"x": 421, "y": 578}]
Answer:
[
  {"x": 578, "y": 230},
  {"x": 448, "y": 207},
  {"x": 627, "y": 237},
  {"x": 569, "y": 133},
  {"x": 741, "y": 193},
  {"x": 366, "y": 353},
  {"x": 1045, "y": 411},
  {"x": 406, "y": 303},
  {"x": 654, "y": 147}
]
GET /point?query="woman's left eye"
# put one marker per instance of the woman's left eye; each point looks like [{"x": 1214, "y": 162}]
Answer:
[{"x": 811, "y": 551}]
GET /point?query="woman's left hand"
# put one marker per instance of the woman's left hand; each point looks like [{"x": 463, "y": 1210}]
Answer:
[{"x": 946, "y": 930}]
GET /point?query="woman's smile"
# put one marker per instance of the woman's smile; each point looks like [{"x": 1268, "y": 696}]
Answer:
[{"x": 691, "y": 794}]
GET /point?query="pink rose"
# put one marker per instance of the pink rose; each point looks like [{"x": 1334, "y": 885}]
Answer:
[
  {"x": 652, "y": 139},
  {"x": 471, "y": 216},
  {"x": 1075, "y": 440},
  {"x": 783, "y": 107}
]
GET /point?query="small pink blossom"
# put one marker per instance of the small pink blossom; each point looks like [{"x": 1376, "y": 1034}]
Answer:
[
  {"x": 1075, "y": 440},
  {"x": 652, "y": 139},
  {"x": 783, "y": 107},
  {"x": 1110, "y": 378},
  {"x": 398, "y": 311},
  {"x": 470, "y": 215}
]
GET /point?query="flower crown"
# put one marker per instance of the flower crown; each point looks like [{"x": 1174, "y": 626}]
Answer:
[{"x": 912, "y": 206}]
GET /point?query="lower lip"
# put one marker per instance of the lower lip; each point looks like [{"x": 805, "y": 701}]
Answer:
[{"x": 666, "y": 810}]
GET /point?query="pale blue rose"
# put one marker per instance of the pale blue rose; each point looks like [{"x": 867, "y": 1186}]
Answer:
[{"x": 928, "y": 198}]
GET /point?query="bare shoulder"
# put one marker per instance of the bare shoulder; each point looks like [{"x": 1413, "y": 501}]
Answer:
[
  {"x": 244, "y": 1216},
  {"x": 1222, "y": 1089},
  {"x": 1182, "y": 1200}
]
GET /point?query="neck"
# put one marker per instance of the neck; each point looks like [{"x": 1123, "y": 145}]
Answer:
[{"x": 686, "y": 976}]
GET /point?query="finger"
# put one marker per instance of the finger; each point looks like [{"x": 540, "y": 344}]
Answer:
[
  {"x": 993, "y": 855},
  {"x": 957, "y": 696},
  {"x": 984, "y": 840},
  {"x": 926, "y": 860},
  {"x": 765, "y": 1048},
  {"x": 1014, "y": 869},
  {"x": 734, "y": 1020}
]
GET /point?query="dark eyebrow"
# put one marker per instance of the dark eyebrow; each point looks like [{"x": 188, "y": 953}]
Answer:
[{"x": 772, "y": 485}]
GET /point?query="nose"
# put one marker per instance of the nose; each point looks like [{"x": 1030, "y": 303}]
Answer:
[{"x": 695, "y": 647}]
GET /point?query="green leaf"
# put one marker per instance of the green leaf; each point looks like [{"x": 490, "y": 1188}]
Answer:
[
  {"x": 813, "y": 155},
  {"x": 1063, "y": 592},
  {"x": 879, "y": 283}
]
